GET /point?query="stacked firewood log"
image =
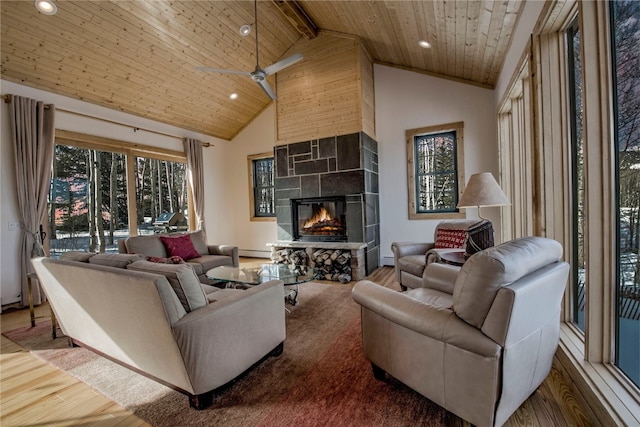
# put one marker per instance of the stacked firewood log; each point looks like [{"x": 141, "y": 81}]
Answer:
[{"x": 329, "y": 264}]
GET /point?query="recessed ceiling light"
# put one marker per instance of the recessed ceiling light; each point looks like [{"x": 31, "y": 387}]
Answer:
[
  {"x": 425, "y": 44},
  {"x": 233, "y": 96},
  {"x": 245, "y": 30},
  {"x": 47, "y": 7}
]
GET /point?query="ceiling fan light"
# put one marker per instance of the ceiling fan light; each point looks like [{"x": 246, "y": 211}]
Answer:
[
  {"x": 424, "y": 44},
  {"x": 46, "y": 7},
  {"x": 245, "y": 30}
]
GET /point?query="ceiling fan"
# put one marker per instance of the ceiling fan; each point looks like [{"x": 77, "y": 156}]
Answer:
[{"x": 259, "y": 75}]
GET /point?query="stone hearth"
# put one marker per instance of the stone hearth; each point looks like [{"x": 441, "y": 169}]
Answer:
[{"x": 356, "y": 253}]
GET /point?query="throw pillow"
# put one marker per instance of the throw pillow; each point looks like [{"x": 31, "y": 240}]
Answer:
[
  {"x": 115, "y": 260},
  {"x": 181, "y": 246},
  {"x": 77, "y": 256},
  {"x": 182, "y": 279},
  {"x": 170, "y": 260},
  {"x": 450, "y": 238}
]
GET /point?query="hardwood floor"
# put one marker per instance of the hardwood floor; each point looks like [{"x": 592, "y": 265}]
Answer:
[{"x": 34, "y": 393}]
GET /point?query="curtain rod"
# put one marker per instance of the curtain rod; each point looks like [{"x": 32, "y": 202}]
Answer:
[{"x": 7, "y": 99}]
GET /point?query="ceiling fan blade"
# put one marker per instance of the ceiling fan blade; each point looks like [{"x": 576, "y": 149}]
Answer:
[
  {"x": 218, "y": 70},
  {"x": 280, "y": 65},
  {"x": 264, "y": 84}
]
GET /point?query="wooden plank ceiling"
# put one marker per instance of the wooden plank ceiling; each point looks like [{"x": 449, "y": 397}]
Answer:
[{"x": 140, "y": 56}]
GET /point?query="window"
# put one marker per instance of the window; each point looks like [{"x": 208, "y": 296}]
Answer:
[
  {"x": 90, "y": 204},
  {"x": 261, "y": 194},
  {"x": 161, "y": 195},
  {"x": 434, "y": 169},
  {"x": 88, "y": 200},
  {"x": 578, "y": 279},
  {"x": 625, "y": 38},
  {"x": 586, "y": 189}
]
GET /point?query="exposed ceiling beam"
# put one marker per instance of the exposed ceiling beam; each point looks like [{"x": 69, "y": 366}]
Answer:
[{"x": 298, "y": 18}]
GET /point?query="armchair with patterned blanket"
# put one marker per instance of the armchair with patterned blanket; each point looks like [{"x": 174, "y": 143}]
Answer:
[{"x": 411, "y": 258}]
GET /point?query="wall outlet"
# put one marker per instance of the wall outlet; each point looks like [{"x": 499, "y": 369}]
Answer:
[{"x": 14, "y": 226}]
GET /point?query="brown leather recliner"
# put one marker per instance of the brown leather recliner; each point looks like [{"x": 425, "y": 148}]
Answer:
[
  {"x": 410, "y": 258},
  {"x": 478, "y": 346}
]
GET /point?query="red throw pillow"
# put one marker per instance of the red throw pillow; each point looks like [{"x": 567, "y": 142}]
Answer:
[
  {"x": 181, "y": 246},
  {"x": 450, "y": 238}
]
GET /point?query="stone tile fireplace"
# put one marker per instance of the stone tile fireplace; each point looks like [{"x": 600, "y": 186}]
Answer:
[{"x": 342, "y": 171}]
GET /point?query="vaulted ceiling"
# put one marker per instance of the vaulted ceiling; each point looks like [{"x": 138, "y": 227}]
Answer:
[{"x": 140, "y": 57}]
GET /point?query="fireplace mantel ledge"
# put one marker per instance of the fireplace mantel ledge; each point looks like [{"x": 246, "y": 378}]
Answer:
[{"x": 354, "y": 246}]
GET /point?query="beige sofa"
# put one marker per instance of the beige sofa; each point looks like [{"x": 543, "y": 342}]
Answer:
[
  {"x": 158, "y": 320},
  {"x": 479, "y": 345},
  {"x": 210, "y": 256}
]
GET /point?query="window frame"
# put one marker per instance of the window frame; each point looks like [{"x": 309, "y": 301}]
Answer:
[
  {"x": 252, "y": 205},
  {"x": 411, "y": 134},
  {"x": 131, "y": 151}
]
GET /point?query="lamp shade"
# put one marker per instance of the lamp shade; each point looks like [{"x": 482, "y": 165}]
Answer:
[{"x": 482, "y": 190}]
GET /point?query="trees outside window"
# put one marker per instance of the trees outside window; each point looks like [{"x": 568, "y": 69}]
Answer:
[
  {"x": 435, "y": 165},
  {"x": 161, "y": 187},
  {"x": 90, "y": 208},
  {"x": 625, "y": 38},
  {"x": 577, "y": 173},
  {"x": 88, "y": 200}
]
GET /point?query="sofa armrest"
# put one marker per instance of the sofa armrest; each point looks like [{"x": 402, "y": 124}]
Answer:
[
  {"x": 223, "y": 339},
  {"x": 227, "y": 250},
  {"x": 401, "y": 249},
  {"x": 438, "y": 323},
  {"x": 435, "y": 254}
]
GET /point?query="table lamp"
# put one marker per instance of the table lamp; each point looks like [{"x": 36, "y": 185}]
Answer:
[{"x": 481, "y": 190}]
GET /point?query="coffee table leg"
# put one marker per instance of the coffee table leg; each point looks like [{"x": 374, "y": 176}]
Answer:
[{"x": 293, "y": 295}]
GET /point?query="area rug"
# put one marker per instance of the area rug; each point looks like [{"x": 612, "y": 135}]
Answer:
[{"x": 321, "y": 379}]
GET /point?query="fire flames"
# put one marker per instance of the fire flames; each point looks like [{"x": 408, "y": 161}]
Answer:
[{"x": 322, "y": 222}]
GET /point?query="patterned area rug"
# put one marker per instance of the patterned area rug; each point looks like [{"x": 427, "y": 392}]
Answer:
[{"x": 321, "y": 379}]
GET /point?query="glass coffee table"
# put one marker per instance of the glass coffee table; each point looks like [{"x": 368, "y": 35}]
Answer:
[{"x": 246, "y": 277}]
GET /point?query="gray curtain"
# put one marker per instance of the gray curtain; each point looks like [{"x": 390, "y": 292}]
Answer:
[
  {"x": 195, "y": 173},
  {"x": 32, "y": 131}
]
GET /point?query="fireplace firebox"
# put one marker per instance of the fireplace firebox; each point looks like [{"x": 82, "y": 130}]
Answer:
[{"x": 319, "y": 219}]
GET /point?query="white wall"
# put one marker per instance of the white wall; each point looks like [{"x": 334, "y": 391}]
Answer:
[
  {"x": 258, "y": 137},
  {"x": 214, "y": 159},
  {"x": 408, "y": 100}
]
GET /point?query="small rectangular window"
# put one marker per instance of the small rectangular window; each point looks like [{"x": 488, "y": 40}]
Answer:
[
  {"x": 434, "y": 171},
  {"x": 262, "y": 187}
]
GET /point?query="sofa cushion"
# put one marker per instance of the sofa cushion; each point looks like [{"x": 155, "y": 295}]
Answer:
[
  {"x": 432, "y": 297},
  {"x": 199, "y": 240},
  {"x": 181, "y": 246},
  {"x": 222, "y": 294},
  {"x": 147, "y": 245},
  {"x": 450, "y": 238},
  {"x": 115, "y": 260},
  {"x": 78, "y": 256},
  {"x": 182, "y": 278},
  {"x": 485, "y": 272},
  {"x": 207, "y": 262}
]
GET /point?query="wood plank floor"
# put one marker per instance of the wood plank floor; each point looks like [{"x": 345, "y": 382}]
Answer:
[{"x": 34, "y": 393}]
